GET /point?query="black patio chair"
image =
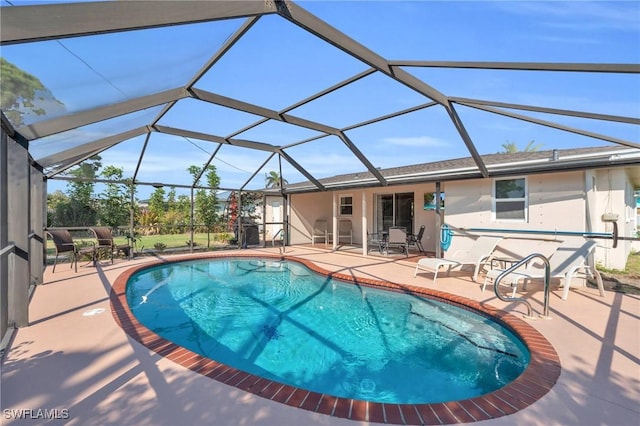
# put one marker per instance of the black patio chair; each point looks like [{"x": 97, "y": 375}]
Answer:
[
  {"x": 104, "y": 237},
  {"x": 64, "y": 244},
  {"x": 416, "y": 240}
]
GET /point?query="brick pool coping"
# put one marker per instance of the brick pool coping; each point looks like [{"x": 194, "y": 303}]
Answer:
[{"x": 538, "y": 378}]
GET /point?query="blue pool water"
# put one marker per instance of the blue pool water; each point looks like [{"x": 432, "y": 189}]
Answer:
[{"x": 280, "y": 321}]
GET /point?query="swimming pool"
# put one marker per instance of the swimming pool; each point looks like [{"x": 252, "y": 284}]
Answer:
[{"x": 373, "y": 351}]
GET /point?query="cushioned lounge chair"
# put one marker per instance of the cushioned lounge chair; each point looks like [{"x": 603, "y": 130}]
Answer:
[
  {"x": 478, "y": 254},
  {"x": 565, "y": 263},
  {"x": 106, "y": 244},
  {"x": 64, "y": 244}
]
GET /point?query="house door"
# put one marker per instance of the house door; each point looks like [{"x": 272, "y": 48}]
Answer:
[
  {"x": 394, "y": 210},
  {"x": 276, "y": 216}
]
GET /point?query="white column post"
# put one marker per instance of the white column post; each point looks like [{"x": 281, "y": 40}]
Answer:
[
  {"x": 335, "y": 221},
  {"x": 365, "y": 228}
]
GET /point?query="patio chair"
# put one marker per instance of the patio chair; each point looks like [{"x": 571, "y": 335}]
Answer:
[
  {"x": 397, "y": 238},
  {"x": 565, "y": 263},
  {"x": 374, "y": 241},
  {"x": 320, "y": 231},
  {"x": 106, "y": 244},
  {"x": 416, "y": 240},
  {"x": 64, "y": 244},
  {"x": 477, "y": 255},
  {"x": 345, "y": 230}
]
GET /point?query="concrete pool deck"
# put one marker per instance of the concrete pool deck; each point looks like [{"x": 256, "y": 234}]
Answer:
[{"x": 76, "y": 362}]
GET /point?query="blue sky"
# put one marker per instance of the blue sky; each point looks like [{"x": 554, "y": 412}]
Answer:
[{"x": 277, "y": 64}]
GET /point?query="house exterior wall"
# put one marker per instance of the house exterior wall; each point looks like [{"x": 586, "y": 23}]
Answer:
[
  {"x": 305, "y": 209},
  {"x": 553, "y": 203},
  {"x": 614, "y": 196},
  {"x": 567, "y": 201},
  {"x": 573, "y": 201}
]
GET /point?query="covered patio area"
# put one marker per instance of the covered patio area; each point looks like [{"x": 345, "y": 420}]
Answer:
[{"x": 74, "y": 358}]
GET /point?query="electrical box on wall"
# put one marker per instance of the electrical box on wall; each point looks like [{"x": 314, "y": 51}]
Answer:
[{"x": 610, "y": 217}]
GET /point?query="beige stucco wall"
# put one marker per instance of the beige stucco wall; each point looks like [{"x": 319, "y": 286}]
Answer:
[
  {"x": 568, "y": 201},
  {"x": 305, "y": 209},
  {"x": 554, "y": 203},
  {"x": 613, "y": 195}
]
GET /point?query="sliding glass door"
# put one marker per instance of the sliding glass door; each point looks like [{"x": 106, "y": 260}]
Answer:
[{"x": 394, "y": 210}]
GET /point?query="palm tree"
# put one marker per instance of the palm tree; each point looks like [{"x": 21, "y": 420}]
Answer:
[
  {"x": 272, "y": 180},
  {"x": 511, "y": 147}
]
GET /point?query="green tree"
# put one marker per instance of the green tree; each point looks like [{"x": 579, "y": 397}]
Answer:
[
  {"x": 177, "y": 212},
  {"x": 511, "y": 147},
  {"x": 81, "y": 209},
  {"x": 172, "y": 217},
  {"x": 157, "y": 203},
  {"x": 272, "y": 180},
  {"x": 183, "y": 207},
  {"x": 251, "y": 203},
  {"x": 115, "y": 201},
  {"x": 54, "y": 200},
  {"x": 206, "y": 200},
  {"x": 171, "y": 198},
  {"x": 22, "y": 93}
]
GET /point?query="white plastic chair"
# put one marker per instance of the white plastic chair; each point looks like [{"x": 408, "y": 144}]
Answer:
[
  {"x": 565, "y": 263},
  {"x": 320, "y": 231}
]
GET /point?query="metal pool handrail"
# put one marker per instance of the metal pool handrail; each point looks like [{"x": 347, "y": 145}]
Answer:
[
  {"x": 273, "y": 240},
  {"x": 547, "y": 279}
]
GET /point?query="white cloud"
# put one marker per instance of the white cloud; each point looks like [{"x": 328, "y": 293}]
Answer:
[
  {"x": 580, "y": 15},
  {"x": 415, "y": 141}
]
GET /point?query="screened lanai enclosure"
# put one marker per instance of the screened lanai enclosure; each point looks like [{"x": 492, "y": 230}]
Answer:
[{"x": 313, "y": 91}]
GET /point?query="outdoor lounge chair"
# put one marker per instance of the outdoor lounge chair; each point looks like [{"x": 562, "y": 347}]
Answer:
[
  {"x": 479, "y": 253},
  {"x": 64, "y": 244},
  {"x": 105, "y": 242},
  {"x": 345, "y": 230},
  {"x": 416, "y": 240},
  {"x": 565, "y": 263},
  {"x": 320, "y": 231}
]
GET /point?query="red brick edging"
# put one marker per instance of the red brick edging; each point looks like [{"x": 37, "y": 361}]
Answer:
[{"x": 538, "y": 378}]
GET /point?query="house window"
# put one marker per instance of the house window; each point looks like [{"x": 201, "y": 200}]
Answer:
[
  {"x": 510, "y": 196},
  {"x": 346, "y": 205}
]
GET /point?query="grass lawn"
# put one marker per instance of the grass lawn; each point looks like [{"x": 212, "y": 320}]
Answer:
[
  {"x": 633, "y": 264},
  {"x": 171, "y": 241},
  {"x": 632, "y": 268}
]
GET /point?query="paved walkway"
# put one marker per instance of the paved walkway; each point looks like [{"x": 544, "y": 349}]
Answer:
[{"x": 74, "y": 361}]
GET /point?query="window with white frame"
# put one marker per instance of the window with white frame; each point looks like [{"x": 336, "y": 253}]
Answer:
[
  {"x": 510, "y": 199},
  {"x": 346, "y": 205}
]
